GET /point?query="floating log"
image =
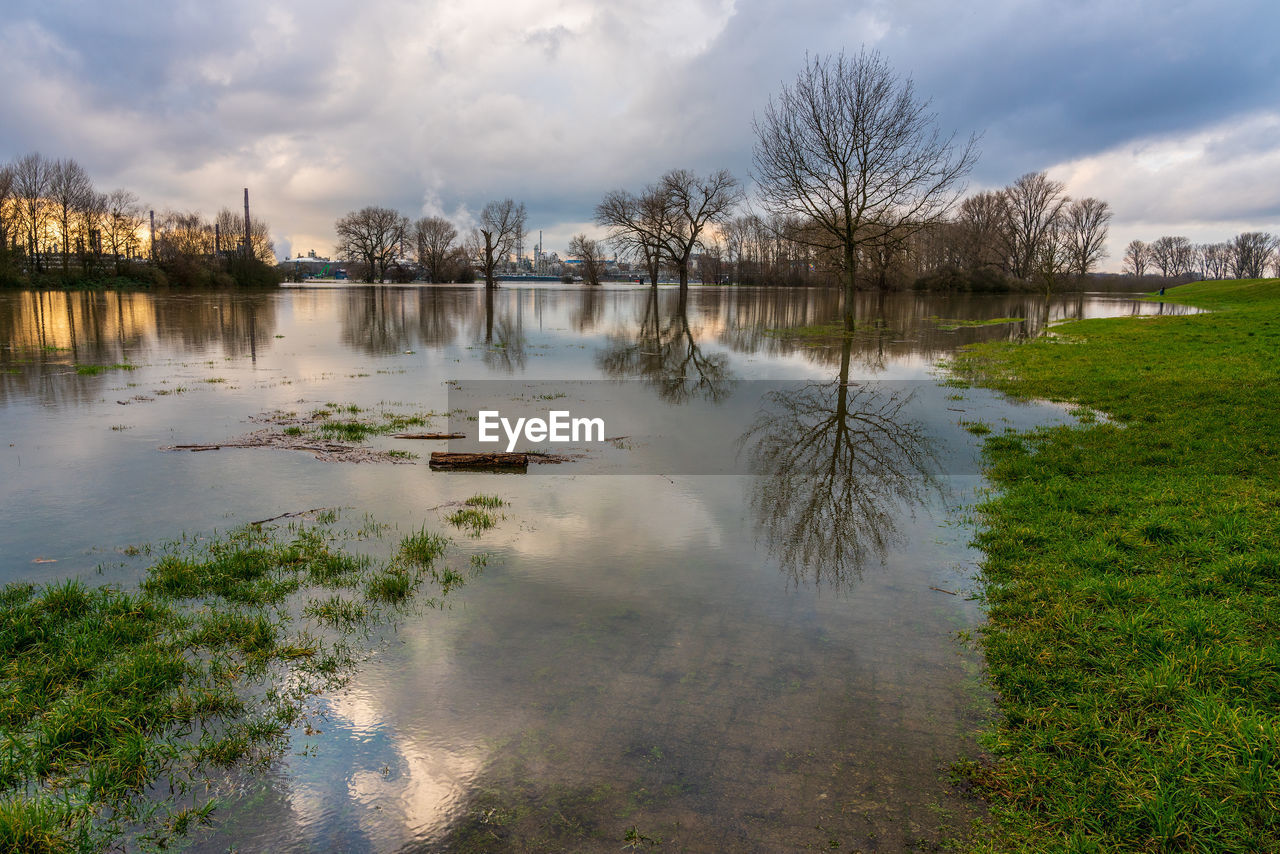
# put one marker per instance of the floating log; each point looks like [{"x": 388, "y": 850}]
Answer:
[
  {"x": 429, "y": 436},
  {"x": 492, "y": 461}
]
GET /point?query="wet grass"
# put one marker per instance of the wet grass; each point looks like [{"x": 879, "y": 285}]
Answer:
[
  {"x": 94, "y": 370},
  {"x": 1132, "y": 576},
  {"x": 949, "y": 324},
  {"x": 335, "y": 422},
  {"x": 490, "y": 501},
  {"x": 209, "y": 662},
  {"x": 475, "y": 520}
]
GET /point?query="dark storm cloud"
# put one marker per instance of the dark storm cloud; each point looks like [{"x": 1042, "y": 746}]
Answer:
[{"x": 435, "y": 107}]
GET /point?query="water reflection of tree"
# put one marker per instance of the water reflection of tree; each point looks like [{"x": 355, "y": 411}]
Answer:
[
  {"x": 837, "y": 465},
  {"x": 48, "y": 333},
  {"x": 504, "y": 338},
  {"x": 665, "y": 352}
]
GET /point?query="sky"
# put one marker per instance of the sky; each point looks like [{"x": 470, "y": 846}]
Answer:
[{"x": 1167, "y": 110}]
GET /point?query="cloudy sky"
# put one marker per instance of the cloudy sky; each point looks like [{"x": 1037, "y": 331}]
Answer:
[{"x": 1169, "y": 110}]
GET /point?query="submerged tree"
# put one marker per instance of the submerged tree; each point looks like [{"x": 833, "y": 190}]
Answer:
[
  {"x": 501, "y": 228},
  {"x": 435, "y": 238},
  {"x": 374, "y": 237},
  {"x": 851, "y": 148},
  {"x": 637, "y": 225},
  {"x": 588, "y": 252}
]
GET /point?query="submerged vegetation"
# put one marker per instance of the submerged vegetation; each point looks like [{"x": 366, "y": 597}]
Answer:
[
  {"x": 208, "y": 664},
  {"x": 1133, "y": 583}
]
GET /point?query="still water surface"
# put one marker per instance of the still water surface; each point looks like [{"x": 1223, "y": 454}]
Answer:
[{"x": 718, "y": 662}]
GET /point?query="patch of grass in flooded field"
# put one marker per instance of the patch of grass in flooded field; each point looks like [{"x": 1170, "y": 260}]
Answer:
[
  {"x": 1132, "y": 576},
  {"x": 472, "y": 518},
  {"x": 950, "y": 324},
  {"x": 94, "y": 370},
  {"x": 490, "y": 501},
  {"x": 110, "y": 693}
]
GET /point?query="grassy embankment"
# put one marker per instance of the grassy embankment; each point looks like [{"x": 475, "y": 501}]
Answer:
[
  {"x": 1133, "y": 584},
  {"x": 107, "y": 693}
]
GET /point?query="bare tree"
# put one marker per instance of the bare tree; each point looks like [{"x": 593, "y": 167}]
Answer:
[
  {"x": 1087, "y": 225},
  {"x": 1033, "y": 207},
  {"x": 1184, "y": 256},
  {"x": 637, "y": 225},
  {"x": 230, "y": 233},
  {"x": 1171, "y": 255},
  {"x": 374, "y": 237},
  {"x": 588, "y": 250},
  {"x": 69, "y": 191},
  {"x": 982, "y": 218},
  {"x": 691, "y": 204},
  {"x": 501, "y": 228},
  {"x": 849, "y": 147},
  {"x": 435, "y": 238},
  {"x": 1251, "y": 254},
  {"x": 120, "y": 226},
  {"x": 1053, "y": 255},
  {"x": 89, "y": 239},
  {"x": 183, "y": 237},
  {"x": 6, "y": 204},
  {"x": 1217, "y": 260},
  {"x": 32, "y": 177},
  {"x": 1136, "y": 258}
]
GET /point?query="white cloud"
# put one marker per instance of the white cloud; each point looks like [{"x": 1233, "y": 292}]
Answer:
[
  {"x": 1207, "y": 185},
  {"x": 436, "y": 106}
]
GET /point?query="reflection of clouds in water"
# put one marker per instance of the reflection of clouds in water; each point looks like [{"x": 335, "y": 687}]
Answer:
[
  {"x": 674, "y": 514},
  {"x": 404, "y": 783},
  {"x": 427, "y": 791}
]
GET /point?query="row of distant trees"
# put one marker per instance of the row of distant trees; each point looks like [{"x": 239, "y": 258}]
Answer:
[
  {"x": 1248, "y": 255},
  {"x": 54, "y": 223},
  {"x": 376, "y": 241}
]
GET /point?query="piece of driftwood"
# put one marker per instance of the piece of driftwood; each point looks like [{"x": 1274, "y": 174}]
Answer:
[
  {"x": 429, "y": 436},
  {"x": 287, "y": 515},
  {"x": 492, "y": 461}
]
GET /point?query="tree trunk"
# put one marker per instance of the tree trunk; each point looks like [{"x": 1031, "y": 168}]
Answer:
[
  {"x": 492, "y": 461},
  {"x": 850, "y": 285}
]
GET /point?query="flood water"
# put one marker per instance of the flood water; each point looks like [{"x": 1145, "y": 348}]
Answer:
[{"x": 719, "y": 662}]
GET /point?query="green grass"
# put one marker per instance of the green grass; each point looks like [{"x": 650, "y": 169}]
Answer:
[
  {"x": 949, "y": 324},
  {"x": 1132, "y": 571},
  {"x": 94, "y": 370},
  {"x": 335, "y": 422},
  {"x": 475, "y": 519},
  {"x": 490, "y": 501},
  {"x": 209, "y": 662}
]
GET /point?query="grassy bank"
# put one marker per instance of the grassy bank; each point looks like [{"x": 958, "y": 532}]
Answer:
[
  {"x": 1133, "y": 584},
  {"x": 209, "y": 664}
]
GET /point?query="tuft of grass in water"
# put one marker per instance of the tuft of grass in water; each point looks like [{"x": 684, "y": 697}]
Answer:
[
  {"x": 490, "y": 501},
  {"x": 977, "y": 428},
  {"x": 109, "y": 694},
  {"x": 422, "y": 549},
  {"x": 94, "y": 370},
  {"x": 347, "y": 431},
  {"x": 949, "y": 324},
  {"x": 1132, "y": 580},
  {"x": 473, "y": 518}
]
